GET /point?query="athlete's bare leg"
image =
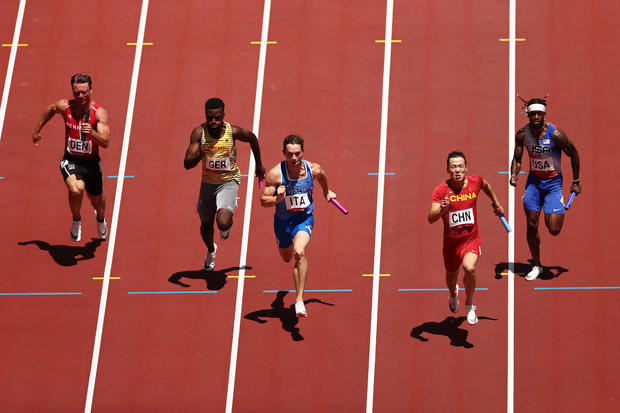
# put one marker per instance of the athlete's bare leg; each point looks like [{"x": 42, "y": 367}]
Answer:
[
  {"x": 98, "y": 202},
  {"x": 469, "y": 279},
  {"x": 224, "y": 219},
  {"x": 206, "y": 231},
  {"x": 75, "y": 185},
  {"x": 451, "y": 280},
  {"x": 554, "y": 223},
  {"x": 533, "y": 237},
  {"x": 300, "y": 270}
]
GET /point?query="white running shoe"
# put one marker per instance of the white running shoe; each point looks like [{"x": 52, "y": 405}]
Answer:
[
  {"x": 225, "y": 234},
  {"x": 472, "y": 318},
  {"x": 300, "y": 309},
  {"x": 210, "y": 260},
  {"x": 76, "y": 230},
  {"x": 453, "y": 302},
  {"x": 102, "y": 229},
  {"x": 534, "y": 273}
]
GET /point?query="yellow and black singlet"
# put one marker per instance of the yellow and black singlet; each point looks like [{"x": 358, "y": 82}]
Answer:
[{"x": 220, "y": 162}]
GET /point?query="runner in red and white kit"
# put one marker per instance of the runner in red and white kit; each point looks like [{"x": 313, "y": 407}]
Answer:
[
  {"x": 455, "y": 202},
  {"x": 86, "y": 129}
]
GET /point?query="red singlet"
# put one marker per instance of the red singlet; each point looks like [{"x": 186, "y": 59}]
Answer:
[
  {"x": 74, "y": 145},
  {"x": 460, "y": 223}
]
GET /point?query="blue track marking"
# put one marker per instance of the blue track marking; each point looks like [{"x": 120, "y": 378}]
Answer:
[
  {"x": 116, "y": 176},
  {"x": 436, "y": 289},
  {"x": 1, "y": 177},
  {"x": 310, "y": 291},
  {"x": 40, "y": 293},
  {"x": 171, "y": 292},
  {"x": 386, "y": 173},
  {"x": 506, "y": 172},
  {"x": 577, "y": 288}
]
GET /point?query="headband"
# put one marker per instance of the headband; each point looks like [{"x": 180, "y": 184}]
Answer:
[{"x": 536, "y": 107}]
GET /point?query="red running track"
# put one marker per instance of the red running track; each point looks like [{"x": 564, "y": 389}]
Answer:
[{"x": 323, "y": 80}]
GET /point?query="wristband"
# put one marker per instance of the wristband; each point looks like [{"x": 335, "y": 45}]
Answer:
[{"x": 576, "y": 181}]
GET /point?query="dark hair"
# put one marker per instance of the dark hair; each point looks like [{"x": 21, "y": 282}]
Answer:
[
  {"x": 81, "y": 78},
  {"x": 214, "y": 103},
  {"x": 293, "y": 140},
  {"x": 456, "y": 154},
  {"x": 527, "y": 103}
]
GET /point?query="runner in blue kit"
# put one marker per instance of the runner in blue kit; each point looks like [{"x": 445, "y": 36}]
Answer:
[
  {"x": 544, "y": 143},
  {"x": 288, "y": 186}
]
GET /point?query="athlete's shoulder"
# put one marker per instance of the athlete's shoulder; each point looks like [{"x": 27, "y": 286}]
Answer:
[
  {"x": 274, "y": 175},
  {"x": 440, "y": 190}
]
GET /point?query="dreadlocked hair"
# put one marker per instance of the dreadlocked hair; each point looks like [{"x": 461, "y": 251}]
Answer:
[{"x": 531, "y": 101}]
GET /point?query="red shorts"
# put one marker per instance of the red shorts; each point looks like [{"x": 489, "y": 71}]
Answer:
[{"x": 453, "y": 252}]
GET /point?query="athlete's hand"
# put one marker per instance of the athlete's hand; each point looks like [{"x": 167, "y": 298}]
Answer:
[
  {"x": 329, "y": 195},
  {"x": 513, "y": 179},
  {"x": 204, "y": 148},
  {"x": 445, "y": 204},
  {"x": 36, "y": 137},
  {"x": 280, "y": 192},
  {"x": 576, "y": 188},
  {"x": 87, "y": 128},
  {"x": 499, "y": 210},
  {"x": 260, "y": 171}
]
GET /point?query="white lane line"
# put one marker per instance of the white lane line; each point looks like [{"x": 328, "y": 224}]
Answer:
[
  {"x": 511, "y": 206},
  {"x": 232, "y": 371},
  {"x": 117, "y": 206},
  {"x": 11, "y": 65},
  {"x": 379, "y": 218}
]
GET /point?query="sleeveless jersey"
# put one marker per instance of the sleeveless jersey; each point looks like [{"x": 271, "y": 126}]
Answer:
[
  {"x": 298, "y": 196},
  {"x": 461, "y": 220},
  {"x": 75, "y": 144},
  {"x": 220, "y": 163},
  {"x": 545, "y": 157}
]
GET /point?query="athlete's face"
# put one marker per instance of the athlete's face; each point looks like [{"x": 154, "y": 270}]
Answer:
[
  {"x": 293, "y": 154},
  {"x": 537, "y": 119},
  {"x": 81, "y": 93},
  {"x": 457, "y": 169},
  {"x": 215, "y": 118}
]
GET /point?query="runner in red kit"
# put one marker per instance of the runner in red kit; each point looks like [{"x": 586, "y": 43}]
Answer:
[
  {"x": 455, "y": 202},
  {"x": 86, "y": 129}
]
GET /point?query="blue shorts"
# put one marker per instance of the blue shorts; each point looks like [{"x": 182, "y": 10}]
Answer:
[
  {"x": 543, "y": 193},
  {"x": 286, "y": 229}
]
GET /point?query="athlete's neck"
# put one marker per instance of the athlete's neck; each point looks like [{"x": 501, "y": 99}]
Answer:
[
  {"x": 215, "y": 133},
  {"x": 296, "y": 171},
  {"x": 457, "y": 185}
]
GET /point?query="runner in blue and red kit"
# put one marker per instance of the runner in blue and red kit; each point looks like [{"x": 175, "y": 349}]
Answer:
[{"x": 544, "y": 143}]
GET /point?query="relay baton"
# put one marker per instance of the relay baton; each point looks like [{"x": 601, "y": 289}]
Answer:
[
  {"x": 86, "y": 116},
  {"x": 337, "y": 205},
  {"x": 570, "y": 200},
  {"x": 261, "y": 182},
  {"x": 503, "y": 219}
]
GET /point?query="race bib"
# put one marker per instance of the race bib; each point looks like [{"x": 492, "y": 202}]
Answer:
[
  {"x": 541, "y": 165},
  {"x": 79, "y": 146},
  {"x": 297, "y": 202},
  {"x": 462, "y": 217},
  {"x": 219, "y": 164}
]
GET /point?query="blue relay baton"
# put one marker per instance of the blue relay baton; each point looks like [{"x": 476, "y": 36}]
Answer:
[
  {"x": 503, "y": 219},
  {"x": 570, "y": 200}
]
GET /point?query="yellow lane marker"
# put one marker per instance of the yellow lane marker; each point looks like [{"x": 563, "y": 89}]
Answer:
[
  {"x": 247, "y": 276},
  {"x": 380, "y": 275},
  {"x": 519, "y": 39},
  {"x": 101, "y": 278},
  {"x": 11, "y": 44},
  {"x": 268, "y": 42},
  {"x": 143, "y": 44},
  {"x": 516, "y": 273},
  {"x": 393, "y": 41}
]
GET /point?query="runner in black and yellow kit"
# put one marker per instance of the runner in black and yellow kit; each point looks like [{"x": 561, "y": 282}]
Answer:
[{"x": 213, "y": 142}]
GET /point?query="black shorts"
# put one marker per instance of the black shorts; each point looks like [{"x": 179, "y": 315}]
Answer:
[{"x": 89, "y": 170}]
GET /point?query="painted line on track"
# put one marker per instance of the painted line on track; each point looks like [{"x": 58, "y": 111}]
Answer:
[
  {"x": 436, "y": 289},
  {"x": 385, "y": 94},
  {"x": 310, "y": 291},
  {"x": 258, "y": 99},
  {"x": 267, "y": 42},
  {"x": 116, "y": 176},
  {"x": 385, "y": 173},
  {"x": 380, "y": 275},
  {"x": 576, "y": 288},
  {"x": 11, "y": 45},
  {"x": 507, "y": 172},
  {"x": 40, "y": 293},
  {"x": 11, "y": 64},
  {"x": 170, "y": 292},
  {"x": 117, "y": 205}
]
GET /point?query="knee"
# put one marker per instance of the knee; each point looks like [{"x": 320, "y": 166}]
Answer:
[
  {"x": 469, "y": 268},
  {"x": 555, "y": 231},
  {"x": 224, "y": 222},
  {"x": 299, "y": 254},
  {"x": 532, "y": 227},
  {"x": 75, "y": 190}
]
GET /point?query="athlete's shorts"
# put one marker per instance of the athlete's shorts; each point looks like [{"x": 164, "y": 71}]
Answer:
[
  {"x": 453, "y": 252},
  {"x": 89, "y": 170},
  {"x": 545, "y": 193},
  {"x": 214, "y": 197},
  {"x": 286, "y": 229}
]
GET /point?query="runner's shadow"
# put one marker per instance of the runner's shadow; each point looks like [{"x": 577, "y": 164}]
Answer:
[
  {"x": 286, "y": 315},
  {"x": 450, "y": 327},
  {"x": 521, "y": 269},
  {"x": 68, "y": 255},
  {"x": 216, "y": 280}
]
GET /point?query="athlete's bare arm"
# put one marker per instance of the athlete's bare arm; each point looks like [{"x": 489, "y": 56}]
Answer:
[
  {"x": 48, "y": 114},
  {"x": 560, "y": 139},
  {"x": 245, "y": 135},
  {"x": 274, "y": 191},
  {"x": 101, "y": 133},
  {"x": 438, "y": 209},
  {"x": 515, "y": 166},
  {"x": 319, "y": 175},
  {"x": 193, "y": 154},
  {"x": 486, "y": 187}
]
